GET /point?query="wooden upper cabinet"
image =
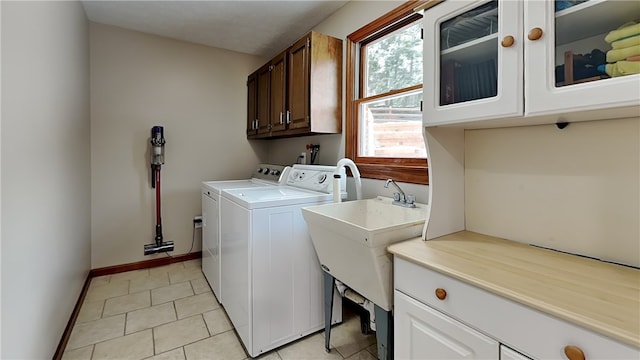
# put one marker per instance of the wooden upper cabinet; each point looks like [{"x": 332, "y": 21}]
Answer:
[
  {"x": 298, "y": 84},
  {"x": 263, "y": 109},
  {"x": 278, "y": 92},
  {"x": 303, "y": 91},
  {"x": 252, "y": 99}
]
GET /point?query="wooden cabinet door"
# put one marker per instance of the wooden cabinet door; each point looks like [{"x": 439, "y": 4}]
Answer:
[
  {"x": 278, "y": 92},
  {"x": 298, "y": 97},
  {"x": 425, "y": 333},
  {"x": 252, "y": 98},
  {"x": 264, "y": 98}
]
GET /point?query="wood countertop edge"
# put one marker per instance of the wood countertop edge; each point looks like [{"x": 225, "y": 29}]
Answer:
[{"x": 609, "y": 330}]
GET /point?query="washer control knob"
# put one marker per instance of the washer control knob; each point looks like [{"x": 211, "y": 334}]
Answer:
[
  {"x": 265, "y": 171},
  {"x": 322, "y": 178},
  {"x": 275, "y": 172}
]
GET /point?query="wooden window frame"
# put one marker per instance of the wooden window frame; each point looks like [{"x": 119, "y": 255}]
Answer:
[{"x": 400, "y": 169}]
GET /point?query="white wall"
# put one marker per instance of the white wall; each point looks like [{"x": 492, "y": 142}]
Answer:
[
  {"x": 575, "y": 190},
  {"x": 45, "y": 172},
  {"x": 343, "y": 22},
  {"x": 198, "y": 94}
]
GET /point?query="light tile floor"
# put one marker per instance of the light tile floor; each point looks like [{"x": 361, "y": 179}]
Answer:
[{"x": 170, "y": 313}]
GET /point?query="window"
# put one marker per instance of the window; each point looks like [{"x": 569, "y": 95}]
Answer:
[{"x": 384, "y": 96}]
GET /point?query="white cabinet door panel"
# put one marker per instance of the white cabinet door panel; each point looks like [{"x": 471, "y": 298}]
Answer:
[
  {"x": 425, "y": 333},
  {"x": 507, "y": 353}
]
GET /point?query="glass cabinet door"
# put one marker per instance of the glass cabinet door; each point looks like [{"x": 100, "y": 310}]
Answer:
[
  {"x": 469, "y": 55},
  {"x": 595, "y": 40},
  {"x": 581, "y": 54},
  {"x": 473, "y": 61}
]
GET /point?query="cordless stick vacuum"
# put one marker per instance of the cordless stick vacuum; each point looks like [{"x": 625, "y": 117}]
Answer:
[{"x": 157, "y": 160}]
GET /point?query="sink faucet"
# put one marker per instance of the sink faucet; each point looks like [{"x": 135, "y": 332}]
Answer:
[
  {"x": 354, "y": 171},
  {"x": 400, "y": 198}
]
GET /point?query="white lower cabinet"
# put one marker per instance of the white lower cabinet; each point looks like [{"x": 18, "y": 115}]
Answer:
[
  {"x": 507, "y": 353},
  {"x": 424, "y": 333},
  {"x": 439, "y": 317}
]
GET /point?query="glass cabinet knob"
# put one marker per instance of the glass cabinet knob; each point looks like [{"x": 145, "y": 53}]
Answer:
[
  {"x": 535, "y": 34},
  {"x": 508, "y": 41}
]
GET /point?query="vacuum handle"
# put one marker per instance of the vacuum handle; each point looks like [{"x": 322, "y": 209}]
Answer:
[{"x": 157, "y": 151}]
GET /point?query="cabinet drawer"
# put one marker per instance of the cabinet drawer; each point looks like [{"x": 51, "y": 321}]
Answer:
[{"x": 529, "y": 331}]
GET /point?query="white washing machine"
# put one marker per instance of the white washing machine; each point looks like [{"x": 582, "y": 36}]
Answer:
[
  {"x": 264, "y": 175},
  {"x": 271, "y": 278}
]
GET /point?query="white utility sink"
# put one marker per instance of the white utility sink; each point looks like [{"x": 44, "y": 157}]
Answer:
[{"x": 351, "y": 240}]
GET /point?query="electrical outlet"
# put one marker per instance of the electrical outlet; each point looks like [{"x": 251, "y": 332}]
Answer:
[{"x": 197, "y": 221}]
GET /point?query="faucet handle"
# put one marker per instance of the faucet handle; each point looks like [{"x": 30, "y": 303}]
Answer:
[
  {"x": 411, "y": 199},
  {"x": 396, "y": 196}
]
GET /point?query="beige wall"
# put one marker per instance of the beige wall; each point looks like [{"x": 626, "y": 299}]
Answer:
[
  {"x": 576, "y": 190},
  {"x": 343, "y": 22},
  {"x": 45, "y": 172},
  {"x": 198, "y": 94}
]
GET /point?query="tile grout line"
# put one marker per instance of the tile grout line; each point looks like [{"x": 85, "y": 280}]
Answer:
[
  {"x": 207, "y": 325},
  {"x": 153, "y": 341},
  {"x": 126, "y": 316},
  {"x": 190, "y": 343}
]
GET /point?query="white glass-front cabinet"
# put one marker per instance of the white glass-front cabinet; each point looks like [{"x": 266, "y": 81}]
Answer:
[
  {"x": 505, "y": 59},
  {"x": 476, "y": 77},
  {"x": 576, "y": 34}
]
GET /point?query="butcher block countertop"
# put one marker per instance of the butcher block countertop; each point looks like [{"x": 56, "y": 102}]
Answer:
[{"x": 600, "y": 296}]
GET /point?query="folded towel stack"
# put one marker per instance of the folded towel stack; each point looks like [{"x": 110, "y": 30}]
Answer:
[{"x": 624, "y": 56}]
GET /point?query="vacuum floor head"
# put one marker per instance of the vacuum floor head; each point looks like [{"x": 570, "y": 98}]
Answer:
[{"x": 155, "y": 248}]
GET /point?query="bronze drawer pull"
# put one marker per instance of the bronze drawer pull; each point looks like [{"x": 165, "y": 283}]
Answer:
[
  {"x": 441, "y": 293},
  {"x": 573, "y": 352}
]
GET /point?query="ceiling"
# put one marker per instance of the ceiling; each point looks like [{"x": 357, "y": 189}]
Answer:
[{"x": 261, "y": 28}]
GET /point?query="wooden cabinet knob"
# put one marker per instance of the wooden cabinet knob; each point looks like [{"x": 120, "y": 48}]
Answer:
[
  {"x": 535, "y": 34},
  {"x": 573, "y": 353},
  {"x": 441, "y": 293},
  {"x": 508, "y": 41}
]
